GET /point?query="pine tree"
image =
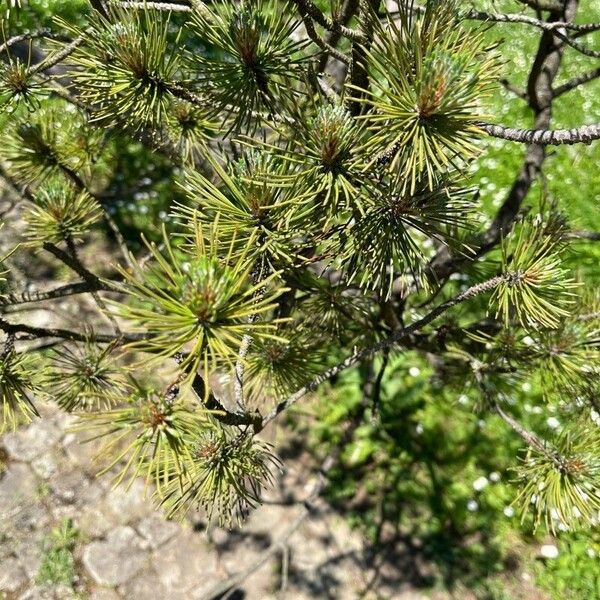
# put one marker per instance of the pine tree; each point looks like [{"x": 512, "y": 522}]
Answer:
[{"x": 321, "y": 219}]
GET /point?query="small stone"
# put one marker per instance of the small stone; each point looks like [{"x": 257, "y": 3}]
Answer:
[
  {"x": 73, "y": 487},
  {"x": 117, "y": 559},
  {"x": 17, "y": 487},
  {"x": 157, "y": 530},
  {"x": 32, "y": 441},
  {"x": 45, "y": 466},
  {"x": 12, "y": 575},
  {"x": 30, "y": 553},
  {"x": 184, "y": 562},
  {"x": 549, "y": 551},
  {"x": 95, "y": 522},
  {"x": 146, "y": 586},
  {"x": 128, "y": 505}
]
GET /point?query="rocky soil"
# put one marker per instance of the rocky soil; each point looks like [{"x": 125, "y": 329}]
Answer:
[{"x": 125, "y": 548}]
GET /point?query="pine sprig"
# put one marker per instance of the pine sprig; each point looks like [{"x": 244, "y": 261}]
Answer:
[
  {"x": 252, "y": 60},
  {"x": 84, "y": 378},
  {"x": 61, "y": 213},
  {"x": 126, "y": 67},
  {"x": 198, "y": 302},
  {"x": 255, "y": 207},
  {"x": 428, "y": 78},
  {"x": 226, "y": 477},
  {"x": 18, "y": 383},
  {"x": 539, "y": 290},
  {"x": 560, "y": 481},
  {"x": 148, "y": 437}
]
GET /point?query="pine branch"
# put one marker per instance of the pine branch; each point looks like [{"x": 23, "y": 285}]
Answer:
[
  {"x": 478, "y": 15},
  {"x": 544, "y": 137},
  {"x": 66, "y": 334},
  {"x": 590, "y": 236},
  {"x": 393, "y": 339},
  {"x": 576, "y": 82},
  {"x": 167, "y": 6},
  {"x": 54, "y": 59},
  {"x": 316, "y": 488},
  {"x": 314, "y": 36},
  {"x": 69, "y": 289},
  {"x": 314, "y": 12},
  {"x": 348, "y": 10},
  {"x": 540, "y": 96},
  {"x": 34, "y": 35}
]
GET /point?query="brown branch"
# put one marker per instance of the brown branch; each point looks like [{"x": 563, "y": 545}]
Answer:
[
  {"x": 348, "y": 10},
  {"x": 54, "y": 59},
  {"x": 314, "y": 12},
  {"x": 513, "y": 89},
  {"x": 576, "y": 82},
  {"x": 314, "y": 36},
  {"x": 42, "y": 33},
  {"x": 70, "y": 289},
  {"x": 67, "y": 334}
]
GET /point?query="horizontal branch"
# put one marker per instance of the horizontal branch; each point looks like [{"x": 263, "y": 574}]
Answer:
[
  {"x": 576, "y": 82},
  {"x": 41, "y": 33},
  {"x": 478, "y": 15},
  {"x": 70, "y": 289},
  {"x": 592, "y": 236},
  {"x": 59, "y": 56},
  {"x": 552, "y": 26},
  {"x": 544, "y": 137},
  {"x": 67, "y": 334},
  {"x": 167, "y": 6}
]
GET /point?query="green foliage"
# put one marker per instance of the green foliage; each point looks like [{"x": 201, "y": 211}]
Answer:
[
  {"x": 561, "y": 481},
  {"x": 84, "y": 378},
  {"x": 254, "y": 210},
  {"x": 203, "y": 299},
  {"x": 429, "y": 78},
  {"x": 60, "y": 214},
  {"x": 58, "y": 563},
  {"x": 277, "y": 368},
  {"x": 148, "y": 436},
  {"x": 226, "y": 476},
  {"x": 537, "y": 291},
  {"x": 575, "y": 573},
  {"x": 384, "y": 241},
  {"x": 16, "y": 85},
  {"x": 48, "y": 143},
  {"x": 327, "y": 149},
  {"x": 296, "y": 246},
  {"x": 126, "y": 66},
  {"x": 18, "y": 382},
  {"x": 253, "y": 61}
]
